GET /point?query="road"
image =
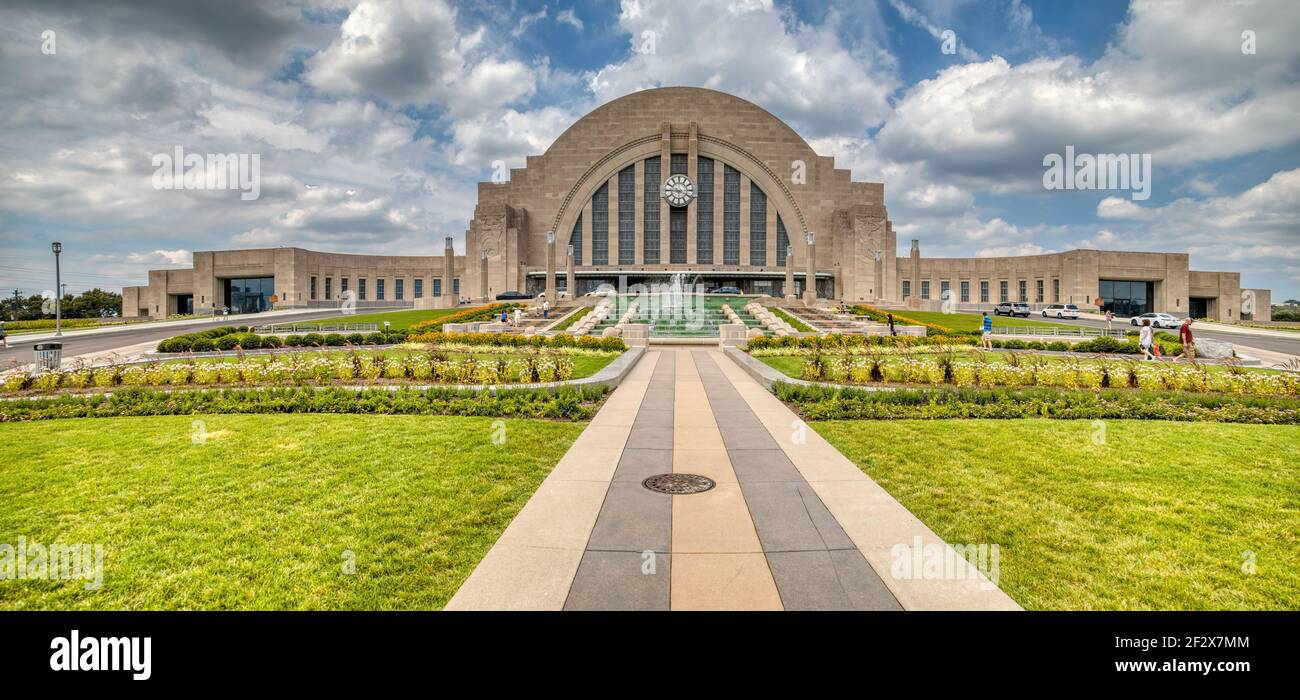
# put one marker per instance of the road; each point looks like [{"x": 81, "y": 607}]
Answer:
[
  {"x": 1284, "y": 345},
  {"x": 83, "y": 342}
]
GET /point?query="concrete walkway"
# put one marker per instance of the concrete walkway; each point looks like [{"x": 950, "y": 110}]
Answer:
[{"x": 791, "y": 524}]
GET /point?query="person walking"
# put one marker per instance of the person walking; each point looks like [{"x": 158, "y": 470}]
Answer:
[
  {"x": 519, "y": 316},
  {"x": 987, "y": 335},
  {"x": 546, "y": 309},
  {"x": 892, "y": 332},
  {"x": 1110, "y": 318},
  {"x": 1189, "y": 342},
  {"x": 1146, "y": 338},
  {"x": 3, "y": 338}
]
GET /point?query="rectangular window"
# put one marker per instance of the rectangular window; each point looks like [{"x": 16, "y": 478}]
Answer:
[
  {"x": 925, "y": 289},
  {"x": 1022, "y": 287},
  {"x": 907, "y": 288},
  {"x": 984, "y": 291},
  {"x": 419, "y": 287},
  {"x": 455, "y": 287},
  {"x": 379, "y": 289},
  {"x": 944, "y": 288},
  {"x": 361, "y": 289},
  {"x": 757, "y": 226},
  {"x": 677, "y": 235},
  {"x": 437, "y": 287},
  {"x": 1002, "y": 290},
  {"x": 398, "y": 290},
  {"x": 575, "y": 239},
  {"x": 678, "y": 165},
  {"x": 1038, "y": 291},
  {"x": 343, "y": 288},
  {"x": 782, "y": 241},
  {"x": 650, "y": 218},
  {"x": 249, "y": 295},
  {"x": 704, "y": 212},
  {"x": 313, "y": 289},
  {"x": 965, "y": 291},
  {"x": 329, "y": 288},
  {"x": 627, "y": 216},
  {"x": 730, "y": 215},
  {"x": 1056, "y": 291},
  {"x": 600, "y": 226}
]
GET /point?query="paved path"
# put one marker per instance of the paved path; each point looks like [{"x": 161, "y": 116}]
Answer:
[{"x": 791, "y": 524}]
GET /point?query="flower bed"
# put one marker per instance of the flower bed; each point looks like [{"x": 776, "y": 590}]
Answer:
[
  {"x": 563, "y": 340},
  {"x": 423, "y": 368},
  {"x": 835, "y": 403},
  {"x": 478, "y": 313},
  {"x": 961, "y": 372}
]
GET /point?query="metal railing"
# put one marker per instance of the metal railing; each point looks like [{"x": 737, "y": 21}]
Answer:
[
  {"x": 1076, "y": 332},
  {"x": 317, "y": 328}
]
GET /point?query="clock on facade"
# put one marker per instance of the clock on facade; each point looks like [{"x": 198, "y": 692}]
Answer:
[{"x": 679, "y": 190}]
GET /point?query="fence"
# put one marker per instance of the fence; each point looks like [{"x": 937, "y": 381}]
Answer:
[{"x": 1076, "y": 332}]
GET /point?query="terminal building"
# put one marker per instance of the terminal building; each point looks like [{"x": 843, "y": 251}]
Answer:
[{"x": 699, "y": 182}]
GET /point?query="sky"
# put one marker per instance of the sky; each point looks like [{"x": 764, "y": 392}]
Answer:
[{"x": 373, "y": 121}]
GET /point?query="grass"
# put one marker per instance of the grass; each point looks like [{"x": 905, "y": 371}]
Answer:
[
  {"x": 583, "y": 365},
  {"x": 1160, "y": 516},
  {"x": 973, "y": 322},
  {"x": 573, "y": 318},
  {"x": 264, "y": 514},
  {"x": 794, "y": 322},
  {"x": 397, "y": 319}
]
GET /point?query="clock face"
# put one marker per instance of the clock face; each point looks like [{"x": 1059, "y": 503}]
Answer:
[{"x": 679, "y": 190}]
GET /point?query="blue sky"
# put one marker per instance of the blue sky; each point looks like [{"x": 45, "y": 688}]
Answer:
[{"x": 374, "y": 120}]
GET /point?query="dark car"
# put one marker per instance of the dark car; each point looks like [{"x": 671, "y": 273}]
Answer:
[
  {"x": 1012, "y": 308},
  {"x": 512, "y": 296},
  {"x": 726, "y": 290}
]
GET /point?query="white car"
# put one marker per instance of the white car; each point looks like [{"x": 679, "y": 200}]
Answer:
[
  {"x": 1158, "y": 320},
  {"x": 1061, "y": 311}
]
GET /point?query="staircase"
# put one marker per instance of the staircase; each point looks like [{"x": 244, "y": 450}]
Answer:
[{"x": 698, "y": 320}]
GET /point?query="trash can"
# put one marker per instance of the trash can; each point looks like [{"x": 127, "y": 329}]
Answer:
[{"x": 49, "y": 355}]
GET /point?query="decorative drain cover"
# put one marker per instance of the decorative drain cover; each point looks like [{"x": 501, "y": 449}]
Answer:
[{"x": 678, "y": 484}]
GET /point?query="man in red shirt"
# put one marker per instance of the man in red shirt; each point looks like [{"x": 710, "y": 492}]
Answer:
[{"x": 1189, "y": 343}]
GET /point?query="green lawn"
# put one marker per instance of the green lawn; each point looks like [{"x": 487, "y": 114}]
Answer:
[
  {"x": 974, "y": 322},
  {"x": 792, "y": 365},
  {"x": 1160, "y": 516},
  {"x": 397, "y": 319},
  {"x": 264, "y": 514}
]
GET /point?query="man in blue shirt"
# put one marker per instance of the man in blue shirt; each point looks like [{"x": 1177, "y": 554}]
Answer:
[{"x": 988, "y": 331}]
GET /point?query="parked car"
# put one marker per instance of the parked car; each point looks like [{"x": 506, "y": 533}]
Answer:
[
  {"x": 513, "y": 296},
  {"x": 1012, "y": 308},
  {"x": 726, "y": 290},
  {"x": 1061, "y": 311},
  {"x": 1158, "y": 320}
]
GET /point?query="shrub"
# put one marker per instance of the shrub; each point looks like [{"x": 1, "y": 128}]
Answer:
[
  {"x": 293, "y": 341},
  {"x": 376, "y": 338},
  {"x": 335, "y": 340},
  {"x": 356, "y": 339},
  {"x": 272, "y": 341},
  {"x": 313, "y": 340},
  {"x": 227, "y": 342}
]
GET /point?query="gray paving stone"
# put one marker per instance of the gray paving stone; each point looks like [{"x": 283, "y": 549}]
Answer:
[
  {"x": 808, "y": 581},
  {"x": 649, "y": 438},
  {"x": 653, "y": 418},
  {"x": 633, "y": 519},
  {"x": 617, "y": 581},
  {"x": 831, "y": 533},
  {"x": 864, "y": 588},
  {"x": 657, "y": 401},
  {"x": 781, "y": 517},
  {"x": 751, "y": 438},
  {"x": 763, "y": 465},
  {"x": 638, "y": 464}
]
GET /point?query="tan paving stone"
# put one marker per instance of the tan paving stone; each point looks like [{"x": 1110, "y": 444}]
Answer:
[
  {"x": 713, "y": 463},
  {"x": 694, "y": 437},
  {"x": 720, "y": 581},
  {"x": 519, "y": 578},
  {"x": 586, "y": 465},
  {"x": 598, "y": 437},
  {"x": 560, "y": 515},
  {"x": 714, "y": 521}
]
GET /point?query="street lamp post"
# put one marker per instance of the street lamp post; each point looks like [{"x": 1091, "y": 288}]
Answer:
[{"x": 57, "y": 247}]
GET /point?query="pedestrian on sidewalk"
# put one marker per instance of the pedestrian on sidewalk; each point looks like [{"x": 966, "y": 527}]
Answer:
[
  {"x": 892, "y": 332},
  {"x": 519, "y": 316},
  {"x": 1146, "y": 338},
  {"x": 3, "y": 338},
  {"x": 987, "y": 334},
  {"x": 1189, "y": 342},
  {"x": 546, "y": 309},
  {"x": 1110, "y": 318}
]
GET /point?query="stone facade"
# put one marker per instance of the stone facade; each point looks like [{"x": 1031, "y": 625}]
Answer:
[{"x": 765, "y": 182}]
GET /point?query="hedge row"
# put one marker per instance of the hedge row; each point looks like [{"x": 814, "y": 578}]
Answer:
[
  {"x": 882, "y": 316},
  {"x": 1103, "y": 344},
  {"x": 830, "y": 403},
  {"x": 562, "y": 340},
  {"x": 571, "y": 403}
]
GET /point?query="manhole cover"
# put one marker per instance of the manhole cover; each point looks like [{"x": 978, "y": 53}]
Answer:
[{"x": 678, "y": 483}]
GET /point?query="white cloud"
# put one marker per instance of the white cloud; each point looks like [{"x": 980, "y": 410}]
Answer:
[
  {"x": 570, "y": 18},
  {"x": 165, "y": 257},
  {"x": 1121, "y": 208}
]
